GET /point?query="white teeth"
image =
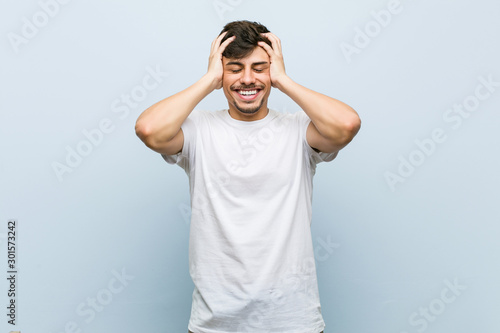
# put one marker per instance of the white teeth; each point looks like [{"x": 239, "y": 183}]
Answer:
[{"x": 248, "y": 92}]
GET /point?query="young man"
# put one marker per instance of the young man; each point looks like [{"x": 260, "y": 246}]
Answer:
[{"x": 250, "y": 172}]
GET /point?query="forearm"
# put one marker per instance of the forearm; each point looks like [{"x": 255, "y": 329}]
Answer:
[
  {"x": 163, "y": 120},
  {"x": 332, "y": 118}
]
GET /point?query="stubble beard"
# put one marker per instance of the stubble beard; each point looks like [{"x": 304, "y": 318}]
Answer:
[{"x": 248, "y": 110}]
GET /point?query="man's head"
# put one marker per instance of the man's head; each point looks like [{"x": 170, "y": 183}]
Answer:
[
  {"x": 247, "y": 35},
  {"x": 246, "y": 80}
]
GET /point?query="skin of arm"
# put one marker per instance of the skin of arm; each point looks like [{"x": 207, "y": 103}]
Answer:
[
  {"x": 333, "y": 123},
  {"x": 159, "y": 126}
]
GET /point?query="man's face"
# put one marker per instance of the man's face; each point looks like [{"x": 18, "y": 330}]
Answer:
[{"x": 247, "y": 83}]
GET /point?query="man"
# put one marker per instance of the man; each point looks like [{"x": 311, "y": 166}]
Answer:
[{"x": 250, "y": 173}]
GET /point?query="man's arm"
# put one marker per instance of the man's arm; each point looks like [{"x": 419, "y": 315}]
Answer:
[
  {"x": 159, "y": 126},
  {"x": 333, "y": 123}
]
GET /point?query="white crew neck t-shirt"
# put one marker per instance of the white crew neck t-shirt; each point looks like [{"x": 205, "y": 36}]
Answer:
[{"x": 250, "y": 247}]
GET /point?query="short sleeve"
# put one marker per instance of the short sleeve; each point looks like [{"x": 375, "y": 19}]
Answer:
[
  {"x": 184, "y": 157},
  {"x": 314, "y": 156}
]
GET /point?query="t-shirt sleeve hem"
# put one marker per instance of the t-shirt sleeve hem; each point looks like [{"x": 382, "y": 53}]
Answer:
[
  {"x": 181, "y": 158},
  {"x": 316, "y": 156}
]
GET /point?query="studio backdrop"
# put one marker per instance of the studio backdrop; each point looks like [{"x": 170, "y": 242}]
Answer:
[{"x": 406, "y": 221}]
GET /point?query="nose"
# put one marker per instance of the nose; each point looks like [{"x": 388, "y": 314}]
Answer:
[{"x": 247, "y": 77}]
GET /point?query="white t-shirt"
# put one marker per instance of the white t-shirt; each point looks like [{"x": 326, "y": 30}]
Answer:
[{"x": 250, "y": 248}]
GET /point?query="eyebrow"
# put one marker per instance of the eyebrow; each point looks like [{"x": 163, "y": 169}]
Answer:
[{"x": 240, "y": 64}]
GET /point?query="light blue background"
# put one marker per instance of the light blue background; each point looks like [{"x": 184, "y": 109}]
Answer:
[{"x": 124, "y": 208}]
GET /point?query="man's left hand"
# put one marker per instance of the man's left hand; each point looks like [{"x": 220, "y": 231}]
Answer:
[{"x": 277, "y": 70}]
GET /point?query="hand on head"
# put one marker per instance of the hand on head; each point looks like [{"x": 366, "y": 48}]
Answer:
[
  {"x": 277, "y": 66},
  {"x": 277, "y": 70},
  {"x": 215, "y": 68}
]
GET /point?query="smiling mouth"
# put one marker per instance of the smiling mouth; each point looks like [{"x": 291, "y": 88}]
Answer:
[{"x": 248, "y": 93}]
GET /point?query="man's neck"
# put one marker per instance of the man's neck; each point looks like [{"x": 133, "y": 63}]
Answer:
[{"x": 238, "y": 115}]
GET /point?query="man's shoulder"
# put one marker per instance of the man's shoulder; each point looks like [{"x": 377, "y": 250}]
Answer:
[
  {"x": 285, "y": 113},
  {"x": 297, "y": 116}
]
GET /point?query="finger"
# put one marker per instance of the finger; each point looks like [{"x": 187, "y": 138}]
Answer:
[
  {"x": 270, "y": 35},
  {"x": 223, "y": 46},
  {"x": 267, "y": 48},
  {"x": 227, "y": 41},
  {"x": 278, "y": 41},
  {"x": 275, "y": 42},
  {"x": 216, "y": 41},
  {"x": 271, "y": 50},
  {"x": 221, "y": 36}
]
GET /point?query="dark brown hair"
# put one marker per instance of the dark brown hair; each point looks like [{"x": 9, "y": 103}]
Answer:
[{"x": 247, "y": 35}]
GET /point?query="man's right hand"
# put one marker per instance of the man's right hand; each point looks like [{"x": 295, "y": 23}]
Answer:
[
  {"x": 215, "y": 68},
  {"x": 159, "y": 126}
]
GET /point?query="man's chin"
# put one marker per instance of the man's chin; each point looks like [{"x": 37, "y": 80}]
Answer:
[{"x": 248, "y": 109}]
